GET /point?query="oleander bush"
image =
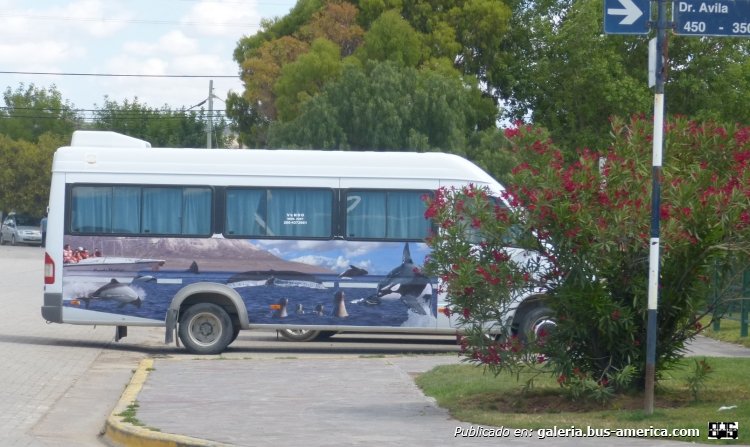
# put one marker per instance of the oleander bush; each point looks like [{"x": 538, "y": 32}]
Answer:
[{"x": 588, "y": 220}]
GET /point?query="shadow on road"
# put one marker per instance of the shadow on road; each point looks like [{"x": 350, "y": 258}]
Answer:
[{"x": 250, "y": 342}]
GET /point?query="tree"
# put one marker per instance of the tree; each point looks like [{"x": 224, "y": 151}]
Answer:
[
  {"x": 26, "y": 171},
  {"x": 335, "y": 22},
  {"x": 478, "y": 26},
  {"x": 161, "y": 127},
  {"x": 588, "y": 220},
  {"x": 304, "y": 78},
  {"x": 385, "y": 106},
  {"x": 248, "y": 123},
  {"x": 391, "y": 38},
  {"x": 716, "y": 65},
  {"x": 31, "y": 111},
  {"x": 261, "y": 72},
  {"x": 575, "y": 78},
  {"x": 567, "y": 76},
  {"x": 544, "y": 61}
]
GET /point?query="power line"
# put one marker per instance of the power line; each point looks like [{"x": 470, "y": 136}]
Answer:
[
  {"x": 133, "y": 21},
  {"x": 57, "y": 109},
  {"x": 113, "y": 118},
  {"x": 111, "y": 75}
]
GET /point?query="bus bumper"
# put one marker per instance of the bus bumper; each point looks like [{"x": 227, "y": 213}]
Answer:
[{"x": 52, "y": 309}]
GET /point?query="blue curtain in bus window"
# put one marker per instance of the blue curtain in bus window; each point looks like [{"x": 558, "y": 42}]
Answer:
[
  {"x": 197, "y": 211},
  {"x": 299, "y": 212},
  {"x": 162, "y": 210},
  {"x": 365, "y": 214},
  {"x": 126, "y": 209},
  {"x": 92, "y": 209},
  {"x": 405, "y": 211},
  {"x": 246, "y": 212}
]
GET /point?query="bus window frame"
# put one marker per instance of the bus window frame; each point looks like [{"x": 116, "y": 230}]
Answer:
[
  {"x": 333, "y": 233},
  {"x": 344, "y": 194},
  {"x": 68, "y": 228}
]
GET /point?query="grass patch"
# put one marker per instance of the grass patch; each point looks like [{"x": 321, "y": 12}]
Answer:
[
  {"x": 473, "y": 396},
  {"x": 129, "y": 415},
  {"x": 729, "y": 331}
]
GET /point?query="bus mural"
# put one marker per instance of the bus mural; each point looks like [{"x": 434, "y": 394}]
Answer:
[{"x": 370, "y": 284}]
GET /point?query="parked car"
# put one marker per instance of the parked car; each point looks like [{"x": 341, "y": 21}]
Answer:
[{"x": 21, "y": 229}]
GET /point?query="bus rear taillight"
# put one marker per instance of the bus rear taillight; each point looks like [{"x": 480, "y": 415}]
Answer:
[{"x": 49, "y": 269}]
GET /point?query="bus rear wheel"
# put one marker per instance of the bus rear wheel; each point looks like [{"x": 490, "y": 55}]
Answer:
[
  {"x": 305, "y": 334},
  {"x": 205, "y": 328}
]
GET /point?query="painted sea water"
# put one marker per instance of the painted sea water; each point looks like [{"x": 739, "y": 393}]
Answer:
[{"x": 369, "y": 292}]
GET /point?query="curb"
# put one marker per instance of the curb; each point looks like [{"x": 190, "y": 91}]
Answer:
[{"x": 120, "y": 433}]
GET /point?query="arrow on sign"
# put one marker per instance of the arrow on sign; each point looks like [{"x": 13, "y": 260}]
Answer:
[{"x": 630, "y": 11}]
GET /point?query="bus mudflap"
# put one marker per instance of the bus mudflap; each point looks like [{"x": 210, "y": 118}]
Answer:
[{"x": 171, "y": 325}]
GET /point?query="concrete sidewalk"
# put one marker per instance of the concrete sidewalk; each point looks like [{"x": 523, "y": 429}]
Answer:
[{"x": 309, "y": 400}]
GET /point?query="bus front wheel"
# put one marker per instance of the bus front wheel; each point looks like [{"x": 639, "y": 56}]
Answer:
[{"x": 205, "y": 328}]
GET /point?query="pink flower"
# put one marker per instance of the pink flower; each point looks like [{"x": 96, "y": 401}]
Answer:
[{"x": 512, "y": 132}]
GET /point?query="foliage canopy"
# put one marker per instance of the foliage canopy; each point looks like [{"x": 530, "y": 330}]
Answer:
[{"x": 588, "y": 222}]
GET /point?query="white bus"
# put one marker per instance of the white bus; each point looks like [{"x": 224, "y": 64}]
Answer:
[{"x": 209, "y": 242}]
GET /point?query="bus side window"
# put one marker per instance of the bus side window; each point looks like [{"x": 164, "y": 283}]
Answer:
[
  {"x": 177, "y": 210},
  {"x": 365, "y": 214},
  {"x": 92, "y": 209},
  {"x": 386, "y": 214},
  {"x": 245, "y": 212},
  {"x": 300, "y": 212},
  {"x": 141, "y": 210},
  {"x": 279, "y": 212}
]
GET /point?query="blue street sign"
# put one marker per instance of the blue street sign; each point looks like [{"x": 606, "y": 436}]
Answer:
[
  {"x": 712, "y": 17},
  {"x": 626, "y": 16}
]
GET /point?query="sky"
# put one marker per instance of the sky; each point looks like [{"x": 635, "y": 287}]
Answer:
[{"x": 134, "y": 37}]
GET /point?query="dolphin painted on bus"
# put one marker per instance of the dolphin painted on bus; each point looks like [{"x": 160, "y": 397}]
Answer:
[
  {"x": 353, "y": 271},
  {"x": 115, "y": 291}
]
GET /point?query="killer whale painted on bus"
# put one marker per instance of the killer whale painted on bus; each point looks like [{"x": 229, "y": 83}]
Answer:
[{"x": 407, "y": 283}]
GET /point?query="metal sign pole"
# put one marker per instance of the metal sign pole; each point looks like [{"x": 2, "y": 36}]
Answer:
[{"x": 654, "y": 246}]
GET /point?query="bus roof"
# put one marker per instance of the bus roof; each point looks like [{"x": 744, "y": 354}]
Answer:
[{"x": 263, "y": 162}]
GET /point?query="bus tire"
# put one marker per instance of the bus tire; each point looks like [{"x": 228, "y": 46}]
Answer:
[
  {"x": 205, "y": 328},
  {"x": 305, "y": 334},
  {"x": 235, "y": 332},
  {"x": 534, "y": 321}
]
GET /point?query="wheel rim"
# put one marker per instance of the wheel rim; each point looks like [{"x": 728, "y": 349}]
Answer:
[
  {"x": 205, "y": 329},
  {"x": 299, "y": 332},
  {"x": 543, "y": 327}
]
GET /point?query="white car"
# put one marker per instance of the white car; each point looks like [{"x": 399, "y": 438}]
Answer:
[{"x": 21, "y": 229}]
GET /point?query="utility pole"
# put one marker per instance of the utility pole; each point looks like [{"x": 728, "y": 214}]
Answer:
[
  {"x": 654, "y": 245},
  {"x": 210, "y": 122}
]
